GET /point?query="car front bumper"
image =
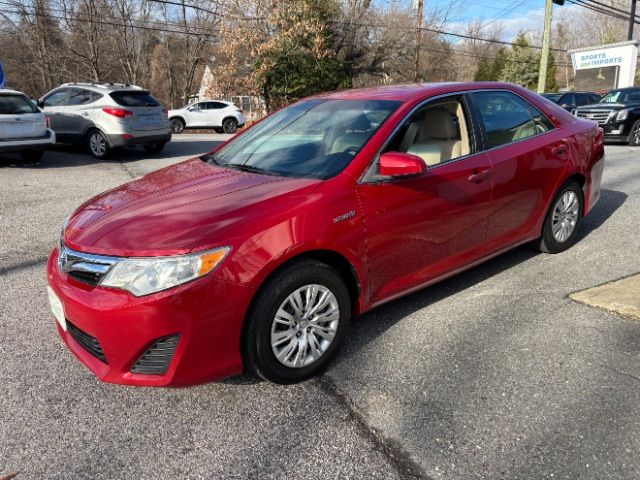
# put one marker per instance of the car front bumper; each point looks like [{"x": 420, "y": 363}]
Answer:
[
  {"x": 138, "y": 138},
  {"x": 205, "y": 315},
  {"x": 20, "y": 144},
  {"x": 616, "y": 132}
]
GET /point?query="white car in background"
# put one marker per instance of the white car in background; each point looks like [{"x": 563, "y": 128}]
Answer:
[
  {"x": 23, "y": 127},
  {"x": 217, "y": 114}
]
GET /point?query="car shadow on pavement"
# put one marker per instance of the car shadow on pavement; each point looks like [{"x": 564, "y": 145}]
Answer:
[{"x": 60, "y": 156}]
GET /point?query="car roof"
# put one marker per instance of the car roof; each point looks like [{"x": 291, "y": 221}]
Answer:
[
  {"x": 10, "y": 91},
  {"x": 408, "y": 91},
  {"x": 108, "y": 87}
]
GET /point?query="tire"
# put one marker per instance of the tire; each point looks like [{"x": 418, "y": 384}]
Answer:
[
  {"x": 634, "y": 134},
  {"x": 31, "y": 155},
  {"x": 155, "y": 147},
  {"x": 98, "y": 145},
  {"x": 274, "y": 299},
  {"x": 177, "y": 125},
  {"x": 564, "y": 217},
  {"x": 229, "y": 125}
]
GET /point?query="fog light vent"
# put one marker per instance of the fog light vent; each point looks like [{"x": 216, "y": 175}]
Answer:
[{"x": 156, "y": 360}]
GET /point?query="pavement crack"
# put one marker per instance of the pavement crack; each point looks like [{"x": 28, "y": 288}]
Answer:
[
  {"x": 624, "y": 374},
  {"x": 127, "y": 170},
  {"x": 406, "y": 467}
]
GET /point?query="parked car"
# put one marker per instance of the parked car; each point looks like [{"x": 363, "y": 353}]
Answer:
[
  {"x": 23, "y": 128},
  {"x": 224, "y": 117},
  {"x": 104, "y": 116},
  {"x": 618, "y": 113},
  {"x": 258, "y": 254},
  {"x": 570, "y": 100}
]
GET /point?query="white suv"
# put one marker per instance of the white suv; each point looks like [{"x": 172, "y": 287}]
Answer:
[
  {"x": 23, "y": 128},
  {"x": 105, "y": 116},
  {"x": 221, "y": 116}
]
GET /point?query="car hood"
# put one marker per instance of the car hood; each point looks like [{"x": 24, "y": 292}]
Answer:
[
  {"x": 185, "y": 207},
  {"x": 605, "y": 106}
]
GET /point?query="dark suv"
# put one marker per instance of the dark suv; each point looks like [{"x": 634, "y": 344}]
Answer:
[
  {"x": 618, "y": 113},
  {"x": 571, "y": 100}
]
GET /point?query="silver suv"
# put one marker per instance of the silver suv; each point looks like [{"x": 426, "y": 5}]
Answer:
[
  {"x": 105, "y": 116},
  {"x": 23, "y": 128}
]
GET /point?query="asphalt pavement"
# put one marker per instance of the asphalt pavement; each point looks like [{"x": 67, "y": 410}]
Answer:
[{"x": 493, "y": 374}]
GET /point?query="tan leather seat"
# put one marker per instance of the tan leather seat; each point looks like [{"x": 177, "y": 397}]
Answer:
[{"x": 438, "y": 139}]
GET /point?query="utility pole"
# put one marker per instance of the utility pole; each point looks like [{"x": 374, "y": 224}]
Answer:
[
  {"x": 416, "y": 70},
  {"x": 632, "y": 20},
  {"x": 546, "y": 39}
]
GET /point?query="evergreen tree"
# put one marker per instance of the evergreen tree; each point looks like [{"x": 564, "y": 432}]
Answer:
[
  {"x": 483, "y": 73},
  {"x": 498, "y": 64},
  {"x": 522, "y": 64}
]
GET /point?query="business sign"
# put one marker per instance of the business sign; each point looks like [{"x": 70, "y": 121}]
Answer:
[
  {"x": 1, "y": 75},
  {"x": 623, "y": 55}
]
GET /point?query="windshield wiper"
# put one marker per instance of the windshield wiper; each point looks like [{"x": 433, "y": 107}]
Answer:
[{"x": 248, "y": 168}]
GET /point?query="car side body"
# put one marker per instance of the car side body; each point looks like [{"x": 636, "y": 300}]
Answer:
[
  {"x": 23, "y": 127},
  {"x": 386, "y": 236}
]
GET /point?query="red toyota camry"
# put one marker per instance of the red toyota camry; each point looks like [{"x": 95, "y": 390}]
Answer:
[{"x": 257, "y": 254}]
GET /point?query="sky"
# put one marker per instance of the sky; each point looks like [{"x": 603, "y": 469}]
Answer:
[{"x": 514, "y": 15}]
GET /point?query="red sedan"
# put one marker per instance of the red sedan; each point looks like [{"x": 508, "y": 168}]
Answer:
[{"x": 258, "y": 254}]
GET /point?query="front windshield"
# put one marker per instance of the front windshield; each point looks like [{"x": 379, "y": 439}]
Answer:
[
  {"x": 622, "y": 96},
  {"x": 311, "y": 139}
]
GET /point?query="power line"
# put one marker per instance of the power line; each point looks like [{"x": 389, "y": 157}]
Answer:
[{"x": 595, "y": 8}]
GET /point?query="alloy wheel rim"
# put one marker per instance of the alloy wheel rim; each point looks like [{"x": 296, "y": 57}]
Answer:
[
  {"x": 98, "y": 144},
  {"x": 636, "y": 134},
  {"x": 305, "y": 326},
  {"x": 228, "y": 126},
  {"x": 565, "y": 216}
]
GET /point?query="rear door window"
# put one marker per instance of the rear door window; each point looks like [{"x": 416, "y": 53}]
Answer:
[
  {"x": 134, "y": 99},
  {"x": 508, "y": 118},
  {"x": 16, "y": 105},
  {"x": 78, "y": 96}
]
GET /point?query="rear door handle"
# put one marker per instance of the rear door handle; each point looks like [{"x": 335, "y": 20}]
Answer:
[
  {"x": 559, "y": 150},
  {"x": 478, "y": 176}
]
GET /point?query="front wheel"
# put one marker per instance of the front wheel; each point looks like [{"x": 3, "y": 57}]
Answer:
[
  {"x": 560, "y": 228},
  {"x": 297, "y": 322},
  {"x": 177, "y": 125},
  {"x": 634, "y": 135},
  {"x": 229, "y": 125},
  {"x": 98, "y": 145}
]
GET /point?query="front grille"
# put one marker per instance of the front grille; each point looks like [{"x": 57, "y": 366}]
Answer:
[
  {"x": 89, "y": 343},
  {"x": 84, "y": 267},
  {"x": 158, "y": 356},
  {"x": 600, "y": 116}
]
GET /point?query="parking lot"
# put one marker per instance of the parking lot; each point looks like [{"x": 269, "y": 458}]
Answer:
[{"x": 492, "y": 374}]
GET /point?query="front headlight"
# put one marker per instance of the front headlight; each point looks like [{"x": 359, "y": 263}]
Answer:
[
  {"x": 142, "y": 276},
  {"x": 622, "y": 115}
]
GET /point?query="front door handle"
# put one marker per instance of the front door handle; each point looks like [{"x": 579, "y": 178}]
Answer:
[{"x": 478, "y": 175}]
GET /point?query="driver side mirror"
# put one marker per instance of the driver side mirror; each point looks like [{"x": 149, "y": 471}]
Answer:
[{"x": 398, "y": 164}]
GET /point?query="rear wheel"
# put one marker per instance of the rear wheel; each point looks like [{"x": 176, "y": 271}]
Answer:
[
  {"x": 31, "y": 155},
  {"x": 634, "y": 135},
  {"x": 563, "y": 219},
  {"x": 229, "y": 125},
  {"x": 177, "y": 125},
  {"x": 297, "y": 322},
  {"x": 98, "y": 145},
  {"x": 155, "y": 147}
]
